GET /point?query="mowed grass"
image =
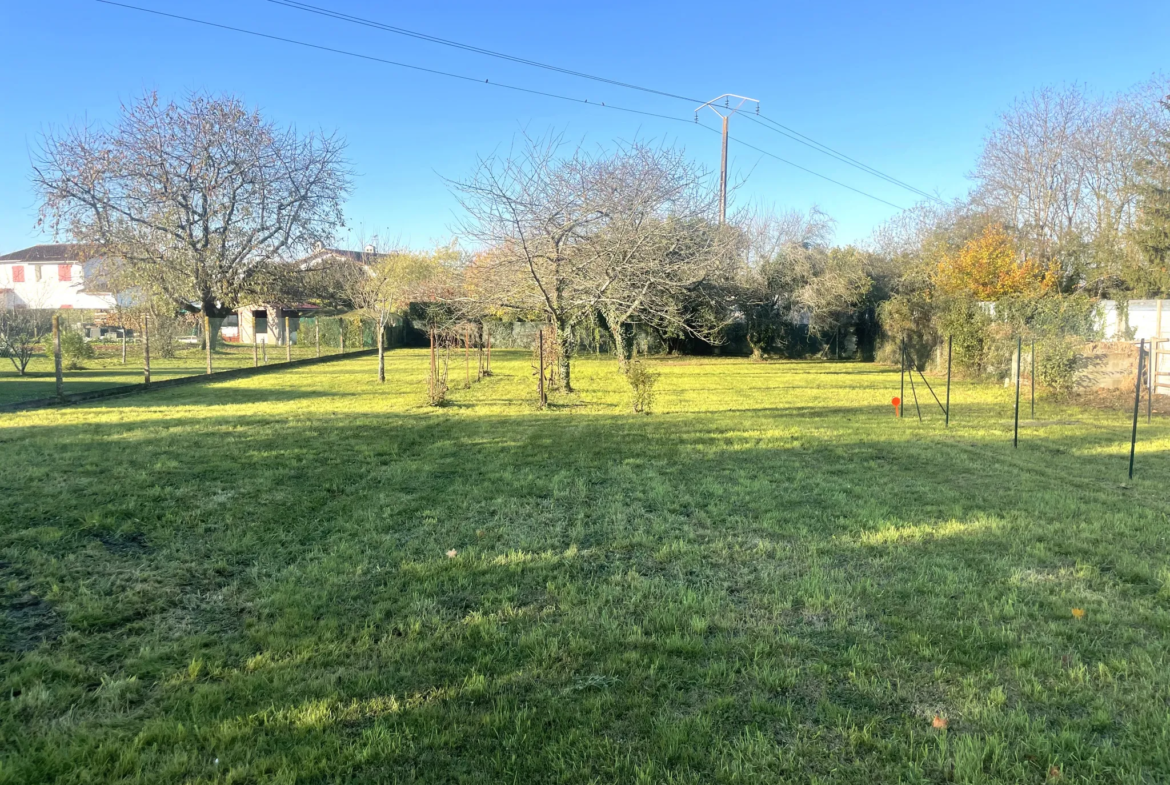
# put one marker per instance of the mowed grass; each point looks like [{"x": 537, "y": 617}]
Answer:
[
  {"x": 107, "y": 370},
  {"x": 308, "y": 577}
]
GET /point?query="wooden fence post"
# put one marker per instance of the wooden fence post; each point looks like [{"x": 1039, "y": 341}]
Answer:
[
  {"x": 146, "y": 350},
  {"x": 57, "y": 356}
]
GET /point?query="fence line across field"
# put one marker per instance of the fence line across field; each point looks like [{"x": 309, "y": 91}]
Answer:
[{"x": 152, "y": 353}]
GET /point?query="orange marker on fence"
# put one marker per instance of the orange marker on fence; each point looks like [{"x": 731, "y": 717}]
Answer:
[{"x": 897, "y": 402}]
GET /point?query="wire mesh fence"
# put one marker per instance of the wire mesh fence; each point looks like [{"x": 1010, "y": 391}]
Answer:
[{"x": 113, "y": 353}]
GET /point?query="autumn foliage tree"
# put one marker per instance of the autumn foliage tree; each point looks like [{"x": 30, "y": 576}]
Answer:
[{"x": 987, "y": 267}]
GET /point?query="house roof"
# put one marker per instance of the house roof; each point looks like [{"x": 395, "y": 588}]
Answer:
[{"x": 55, "y": 252}]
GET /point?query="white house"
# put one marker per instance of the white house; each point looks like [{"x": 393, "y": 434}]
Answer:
[{"x": 52, "y": 277}]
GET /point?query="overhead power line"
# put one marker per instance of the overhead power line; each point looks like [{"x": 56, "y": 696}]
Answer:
[
  {"x": 476, "y": 80},
  {"x": 770, "y": 124},
  {"x": 312, "y": 9},
  {"x": 800, "y": 138},
  {"x": 810, "y": 171},
  {"x": 384, "y": 61}
]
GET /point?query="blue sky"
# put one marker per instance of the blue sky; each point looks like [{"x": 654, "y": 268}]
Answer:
[{"x": 907, "y": 88}]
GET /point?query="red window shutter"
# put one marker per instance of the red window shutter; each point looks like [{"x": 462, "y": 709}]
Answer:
[
  {"x": 18, "y": 273},
  {"x": 64, "y": 272}
]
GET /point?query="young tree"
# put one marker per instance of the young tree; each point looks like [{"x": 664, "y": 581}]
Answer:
[
  {"x": 196, "y": 199},
  {"x": 382, "y": 285},
  {"x": 20, "y": 330}
]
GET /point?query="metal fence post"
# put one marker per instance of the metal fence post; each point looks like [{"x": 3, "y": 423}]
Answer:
[
  {"x": 1019, "y": 369},
  {"x": 902, "y": 390},
  {"x": 947, "y": 423},
  {"x": 1137, "y": 399}
]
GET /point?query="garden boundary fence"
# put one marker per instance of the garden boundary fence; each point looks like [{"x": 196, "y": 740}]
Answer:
[{"x": 217, "y": 376}]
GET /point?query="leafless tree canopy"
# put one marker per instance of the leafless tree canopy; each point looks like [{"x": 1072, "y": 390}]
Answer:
[
  {"x": 197, "y": 199},
  {"x": 1060, "y": 168},
  {"x": 569, "y": 234}
]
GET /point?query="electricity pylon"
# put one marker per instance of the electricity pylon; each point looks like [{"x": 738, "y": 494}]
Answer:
[{"x": 725, "y": 112}]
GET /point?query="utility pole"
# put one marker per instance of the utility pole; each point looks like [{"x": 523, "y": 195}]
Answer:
[{"x": 725, "y": 111}]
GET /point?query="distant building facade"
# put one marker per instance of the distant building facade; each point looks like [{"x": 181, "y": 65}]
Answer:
[{"x": 52, "y": 277}]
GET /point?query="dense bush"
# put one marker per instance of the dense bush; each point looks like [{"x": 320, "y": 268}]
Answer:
[
  {"x": 968, "y": 324},
  {"x": 1058, "y": 363}
]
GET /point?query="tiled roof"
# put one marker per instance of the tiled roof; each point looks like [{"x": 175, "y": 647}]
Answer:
[{"x": 57, "y": 252}]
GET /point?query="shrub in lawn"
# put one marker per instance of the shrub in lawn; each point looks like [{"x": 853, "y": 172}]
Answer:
[
  {"x": 1058, "y": 362},
  {"x": 642, "y": 381},
  {"x": 75, "y": 350}
]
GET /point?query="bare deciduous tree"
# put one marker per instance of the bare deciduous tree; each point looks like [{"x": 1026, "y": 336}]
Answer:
[
  {"x": 195, "y": 199},
  {"x": 20, "y": 331},
  {"x": 1060, "y": 169},
  {"x": 663, "y": 260},
  {"x": 566, "y": 236}
]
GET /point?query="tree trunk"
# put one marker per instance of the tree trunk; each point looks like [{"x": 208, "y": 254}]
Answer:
[
  {"x": 381, "y": 355},
  {"x": 564, "y": 338},
  {"x": 123, "y": 343},
  {"x": 213, "y": 317},
  {"x": 623, "y": 342},
  {"x": 207, "y": 339}
]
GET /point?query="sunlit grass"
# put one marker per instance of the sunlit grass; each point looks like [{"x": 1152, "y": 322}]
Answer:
[{"x": 770, "y": 579}]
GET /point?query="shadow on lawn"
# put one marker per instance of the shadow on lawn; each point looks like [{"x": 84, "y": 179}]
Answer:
[{"x": 613, "y": 576}]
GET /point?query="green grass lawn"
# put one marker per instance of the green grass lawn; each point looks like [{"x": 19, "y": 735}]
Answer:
[
  {"x": 308, "y": 577},
  {"x": 107, "y": 369}
]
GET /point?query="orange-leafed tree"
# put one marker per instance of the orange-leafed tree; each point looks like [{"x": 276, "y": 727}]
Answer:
[{"x": 988, "y": 267}]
